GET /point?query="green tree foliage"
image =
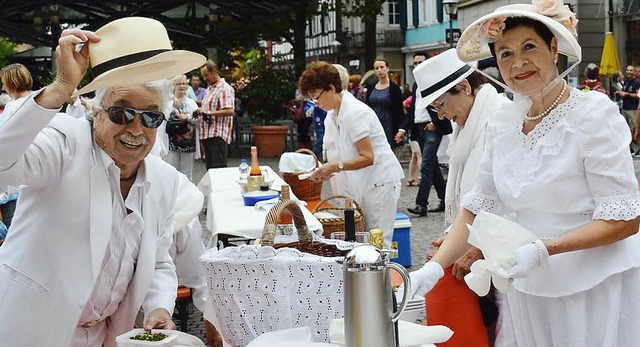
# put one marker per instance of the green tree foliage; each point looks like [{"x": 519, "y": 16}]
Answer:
[
  {"x": 267, "y": 88},
  {"x": 7, "y": 48}
]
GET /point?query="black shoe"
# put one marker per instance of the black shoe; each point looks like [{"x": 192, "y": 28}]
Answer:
[
  {"x": 440, "y": 207},
  {"x": 419, "y": 210}
]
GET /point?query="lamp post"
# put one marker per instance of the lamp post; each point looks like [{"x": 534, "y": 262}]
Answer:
[{"x": 451, "y": 9}]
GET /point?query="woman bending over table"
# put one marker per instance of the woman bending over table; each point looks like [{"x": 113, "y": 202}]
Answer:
[{"x": 364, "y": 155}]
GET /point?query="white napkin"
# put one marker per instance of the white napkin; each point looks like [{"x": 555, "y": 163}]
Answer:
[
  {"x": 186, "y": 340},
  {"x": 294, "y": 337},
  {"x": 266, "y": 205},
  {"x": 498, "y": 239},
  {"x": 411, "y": 334},
  {"x": 296, "y": 162}
]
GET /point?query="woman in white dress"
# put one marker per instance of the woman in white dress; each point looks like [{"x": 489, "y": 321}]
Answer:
[
  {"x": 557, "y": 162},
  {"x": 362, "y": 152}
]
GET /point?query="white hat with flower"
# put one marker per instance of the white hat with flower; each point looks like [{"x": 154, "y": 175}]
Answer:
[{"x": 474, "y": 41}]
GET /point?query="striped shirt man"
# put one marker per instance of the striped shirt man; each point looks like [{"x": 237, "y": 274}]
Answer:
[{"x": 217, "y": 97}]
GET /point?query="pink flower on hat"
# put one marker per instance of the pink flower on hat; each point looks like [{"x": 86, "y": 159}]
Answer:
[
  {"x": 493, "y": 28},
  {"x": 568, "y": 19},
  {"x": 549, "y": 8},
  {"x": 557, "y": 10}
]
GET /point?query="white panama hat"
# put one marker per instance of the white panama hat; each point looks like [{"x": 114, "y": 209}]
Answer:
[
  {"x": 438, "y": 74},
  {"x": 474, "y": 41},
  {"x": 135, "y": 50}
]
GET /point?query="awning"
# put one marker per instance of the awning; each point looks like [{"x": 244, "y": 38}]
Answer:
[{"x": 609, "y": 63}]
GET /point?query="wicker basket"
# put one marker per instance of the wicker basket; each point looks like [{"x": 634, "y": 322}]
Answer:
[
  {"x": 306, "y": 190},
  {"x": 331, "y": 225},
  {"x": 305, "y": 239}
]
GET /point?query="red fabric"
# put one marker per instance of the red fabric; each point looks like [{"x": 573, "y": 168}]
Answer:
[{"x": 453, "y": 304}]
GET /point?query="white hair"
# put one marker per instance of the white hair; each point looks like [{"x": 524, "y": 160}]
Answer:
[
  {"x": 164, "y": 87},
  {"x": 344, "y": 75}
]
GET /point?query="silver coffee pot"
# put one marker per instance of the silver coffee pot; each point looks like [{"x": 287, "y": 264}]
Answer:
[{"x": 368, "y": 298}]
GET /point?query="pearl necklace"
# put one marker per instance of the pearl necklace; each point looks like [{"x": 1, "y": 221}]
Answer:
[{"x": 551, "y": 107}]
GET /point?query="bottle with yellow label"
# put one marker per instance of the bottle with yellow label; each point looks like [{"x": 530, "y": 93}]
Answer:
[{"x": 255, "y": 179}]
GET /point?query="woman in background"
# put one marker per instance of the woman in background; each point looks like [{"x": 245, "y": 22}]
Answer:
[
  {"x": 182, "y": 146},
  {"x": 356, "y": 89},
  {"x": 385, "y": 98},
  {"x": 617, "y": 85},
  {"x": 17, "y": 82}
]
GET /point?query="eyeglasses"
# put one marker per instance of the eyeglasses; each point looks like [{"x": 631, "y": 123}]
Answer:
[
  {"x": 437, "y": 108},
  {"x": 315, "y": 100},
  {"x": 125, "y": 115}
]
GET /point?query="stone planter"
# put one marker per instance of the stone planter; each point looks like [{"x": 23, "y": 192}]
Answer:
[{"x": 270, "y": 139}]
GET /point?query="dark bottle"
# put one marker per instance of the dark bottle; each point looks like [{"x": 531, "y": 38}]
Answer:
[{"x": 349, "y": 222}]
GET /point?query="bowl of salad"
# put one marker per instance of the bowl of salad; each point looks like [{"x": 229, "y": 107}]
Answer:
[{"x": 141, "y": 337}]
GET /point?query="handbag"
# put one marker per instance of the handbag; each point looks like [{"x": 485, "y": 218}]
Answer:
[{"x": 176, "y": 127}]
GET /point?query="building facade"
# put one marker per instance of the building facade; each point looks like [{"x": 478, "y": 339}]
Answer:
[
  {"x": 342, "y": 40},
  {"x": 427, "y": 24}
]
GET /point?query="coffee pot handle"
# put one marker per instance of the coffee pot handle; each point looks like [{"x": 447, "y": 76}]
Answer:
[{"x": 407, "y": 288}]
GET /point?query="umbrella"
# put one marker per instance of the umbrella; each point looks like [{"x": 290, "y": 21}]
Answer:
[{"x": 609, "y": 63}]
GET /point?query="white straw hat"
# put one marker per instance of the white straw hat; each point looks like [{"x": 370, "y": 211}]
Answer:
[
  {"x": 135, "y": 50},
  {"x": 438, "y": 74},
  {"x": 474, "y": 41}
]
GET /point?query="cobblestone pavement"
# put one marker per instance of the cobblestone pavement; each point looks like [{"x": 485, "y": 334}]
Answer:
[{"x": 423, "y": 229}]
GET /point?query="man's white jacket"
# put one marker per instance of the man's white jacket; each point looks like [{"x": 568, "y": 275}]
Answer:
[{"x": 61, "y": 227}]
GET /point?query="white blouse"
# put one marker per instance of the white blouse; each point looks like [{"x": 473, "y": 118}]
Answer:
[
  {"x": 355, "y": 122},
  {"x": 572, "y": 168}
]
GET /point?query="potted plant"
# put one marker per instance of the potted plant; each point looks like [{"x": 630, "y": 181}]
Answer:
[{"x": 268, "y": 88}]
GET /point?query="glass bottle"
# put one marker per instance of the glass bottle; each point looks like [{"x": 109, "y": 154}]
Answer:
[
  {"x": 255, "y": 168},
  {"x": 349, "y": 221},
  {"x": 285, "y": 221},
  {"x": 255, "y": 179},
  {"x": 244, "y": 169}
]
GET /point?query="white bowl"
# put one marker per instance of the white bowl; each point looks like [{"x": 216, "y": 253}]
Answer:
[{"x": 125, "y": 340}]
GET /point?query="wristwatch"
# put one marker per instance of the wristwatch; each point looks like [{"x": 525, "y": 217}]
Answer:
[{"x": 340, "y": 166}]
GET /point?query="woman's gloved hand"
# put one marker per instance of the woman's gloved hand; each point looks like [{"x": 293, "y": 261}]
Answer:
[
  {"x": 422, "y": 280},
  {"x": 527, "y": 258}
]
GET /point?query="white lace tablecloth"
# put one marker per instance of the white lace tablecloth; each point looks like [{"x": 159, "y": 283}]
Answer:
[
  {"x": 257, "y": 289},
  {"x": 226, "y": 212}
]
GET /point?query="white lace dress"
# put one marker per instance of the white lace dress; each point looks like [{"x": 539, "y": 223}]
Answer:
[{"x": 572, "y": 168}]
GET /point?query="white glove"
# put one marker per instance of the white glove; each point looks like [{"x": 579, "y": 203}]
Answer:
[
  {"x": 527, "y": 258},
  {"x": 422, "y": 280}
]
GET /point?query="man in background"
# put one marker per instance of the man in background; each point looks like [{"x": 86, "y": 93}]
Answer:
[
  {"x": 592, "y": 80},
  {"x": 629, "y": 96},
  {"x": 431, "y": 129},
  {"x": 217, "y": 112},
  {"x": 198, "y": 92}
]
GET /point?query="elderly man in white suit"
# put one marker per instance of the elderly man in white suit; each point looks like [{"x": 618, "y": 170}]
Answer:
[{"x": 89, "y": 244}]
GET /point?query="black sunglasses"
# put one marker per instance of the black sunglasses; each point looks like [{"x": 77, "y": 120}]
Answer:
[{"x": 125, "y": 115}]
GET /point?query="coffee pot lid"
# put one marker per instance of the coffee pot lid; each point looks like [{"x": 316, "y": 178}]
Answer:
[{"x": 365, "y": 256}]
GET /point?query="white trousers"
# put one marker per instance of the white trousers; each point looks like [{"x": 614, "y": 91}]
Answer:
[
  {"x": 183, "y": 162},
  {"x": 380, "y": 205}
]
